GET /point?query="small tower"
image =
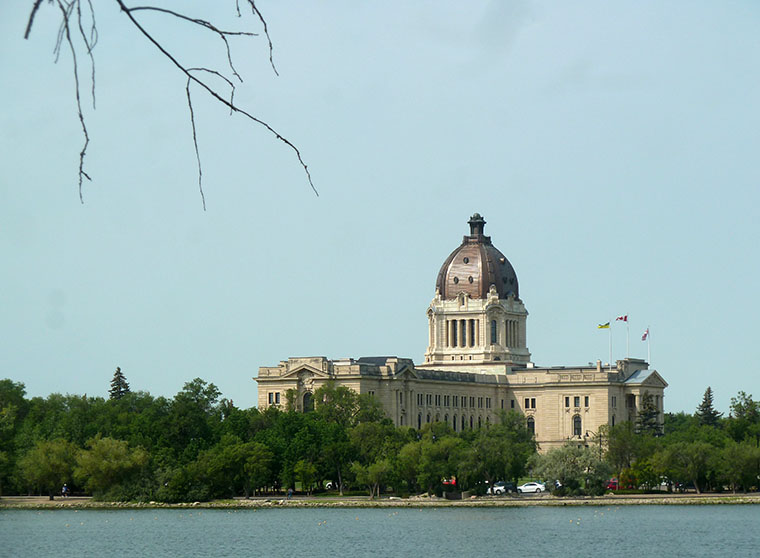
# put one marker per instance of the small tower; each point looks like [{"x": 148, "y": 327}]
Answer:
[{"x": 477, "y": 316}]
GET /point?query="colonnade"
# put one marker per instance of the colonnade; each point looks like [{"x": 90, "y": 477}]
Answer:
[
  {"x": 466, "y": 333},
  {"x": 462, "y": 333}
]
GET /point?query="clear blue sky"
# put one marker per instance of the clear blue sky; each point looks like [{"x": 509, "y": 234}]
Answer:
[{"x": 611, "y": 146}]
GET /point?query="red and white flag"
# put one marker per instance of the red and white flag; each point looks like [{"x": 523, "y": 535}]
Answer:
[
  {"x": 646, "y": 334},
  {"x": 622, "y": 318}
]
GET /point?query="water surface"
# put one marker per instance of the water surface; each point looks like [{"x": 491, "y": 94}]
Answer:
[{"x": 635, "y": 531}]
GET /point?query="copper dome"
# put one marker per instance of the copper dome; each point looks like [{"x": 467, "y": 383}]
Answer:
[{"x": 475, "y": 266}]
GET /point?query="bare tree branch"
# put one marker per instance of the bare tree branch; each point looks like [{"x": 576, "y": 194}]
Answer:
[
  {"x": 216, "y": 95},
  {"x": 195, "y": 143},
  {"x": 66, "y": 11},
  {"x": 207, "y": 25},
  {"x": 257, "y": 13},
  {"x": 34, "y": 13},
  {"x": 68, "y": 7},
  {"x": 89, "y": 47}
]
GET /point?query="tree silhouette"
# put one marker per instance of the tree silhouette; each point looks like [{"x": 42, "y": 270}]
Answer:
[
  {"x": 119, "y": 385},
  {"x": 706, "y": 413}
]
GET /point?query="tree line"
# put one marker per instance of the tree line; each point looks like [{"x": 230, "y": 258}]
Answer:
[{"x": 198, "y": 446}]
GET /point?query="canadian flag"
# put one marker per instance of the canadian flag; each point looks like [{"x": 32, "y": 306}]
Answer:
[
  {"x": 622, "y": 318},
  {"x": 646, "y": 334}
]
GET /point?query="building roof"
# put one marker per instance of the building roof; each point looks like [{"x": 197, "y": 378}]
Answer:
[
  {"x": 640, "y": 376},
  {"x": 476, "y": 265}
]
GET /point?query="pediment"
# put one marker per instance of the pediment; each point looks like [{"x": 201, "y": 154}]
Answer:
[
  {"x": 406, "y": 373},
  {"x": 305, "y": 371},
  {"x": 647, "y": 378},
  {"x": 655, "y": 380}
]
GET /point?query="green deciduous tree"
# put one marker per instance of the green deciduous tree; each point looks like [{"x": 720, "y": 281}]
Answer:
[
  {"x": 499, "y": 452},
  {"x": 337, "y": 404},
  {"x": 106, "y": 464},
  {"x": 48, "y": 465},
  {"x": 373, "y": 475},
  {"x": 744, "y": 422},
  {"x": 740, "y": 465},
  {"x": 578, "y": 468},
  {"x": 306, "y": 473},
  {"x": 258, "y": 466},
  {"x": 687, "y": 462}
]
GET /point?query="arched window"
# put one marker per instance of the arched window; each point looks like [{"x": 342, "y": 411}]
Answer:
[
  {"x": 446, "y": 419},
  {"x": 531, "y": 423},
  {"x": 577, "y": 427},
  {"x": 480, "y": 422},
  {"x": 308, "y": 402},
  {"x": 613, "y": 421},
  {"x": 455, "y": 423},
  {"x": 494, "y": 337},
  {"x": 419, "y": 421},
  {"x": 428, "y": 418},
  {"x": 463, "y": 423},
  {"x": 488, "y": 422},
  {"x": 471, "y": 423}
]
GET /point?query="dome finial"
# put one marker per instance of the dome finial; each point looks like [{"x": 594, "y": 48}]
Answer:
[{"x": 477, "y": 224}]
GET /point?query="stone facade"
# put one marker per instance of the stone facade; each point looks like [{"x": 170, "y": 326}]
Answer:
[{"x": 477, "y": 363}]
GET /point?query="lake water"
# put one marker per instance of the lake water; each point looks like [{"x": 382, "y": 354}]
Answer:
[{"x": 635, "y": 531}]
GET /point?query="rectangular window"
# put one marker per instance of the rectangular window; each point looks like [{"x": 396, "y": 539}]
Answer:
[
  {"x": 437, "y": 400},
  {"x": 567, "y": 401},
  {"x": 472, "y": 402},
  {"x": 585, "y": 400},
  {"x": 400, "y": 398},
  {"x": 480, "y": 402},
  {"x": 614, "y": 401},
  {"x": 502, "y": 403},
  {"x": 456, "y": 401},
  {"x": 371, "y": 392},
  {"x": 271, "y": 397},
  {"x": 576, "y": 401},
  {"x": 429, "y": 399},
  {"x": 512, "y": 404},
  {"x": 488, "y": 402},
  {"x": 277, "y": 398},
  {"x": 532, "y": 402},
  {"x": 419, "y": 399},
  {"x": 527, "y": 403}
]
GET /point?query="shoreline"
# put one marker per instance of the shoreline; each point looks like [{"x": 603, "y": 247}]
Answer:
[{"x": 546, "y": 500}]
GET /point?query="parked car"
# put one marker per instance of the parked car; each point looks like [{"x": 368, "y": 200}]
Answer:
[
  {"x": 450, "y": 483},
  {"x": 531, "y": 487},
  {"x": 612, "y": 484},
  {"x": 501, "y": 487}
]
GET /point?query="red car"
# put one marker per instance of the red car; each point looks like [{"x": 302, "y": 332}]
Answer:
[{"x": 612, "y": 484}]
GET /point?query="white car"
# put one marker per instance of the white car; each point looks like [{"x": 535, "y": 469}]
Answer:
[
  {"x": 501, "y": 487},
  {"x": 531, "y": 487}
]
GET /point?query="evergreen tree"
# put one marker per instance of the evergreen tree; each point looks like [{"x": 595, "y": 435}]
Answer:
[
  {"x": 647, "y": 420},
  {"x": 706, "y": 413},
  {"x": 119, "y": 385}
]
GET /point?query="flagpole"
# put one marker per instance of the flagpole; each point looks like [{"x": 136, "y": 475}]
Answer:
[
  {"x": 627, "y": 339},
  {"x": 610, "y": 362},
  {"x": 649, "y": 353}
]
